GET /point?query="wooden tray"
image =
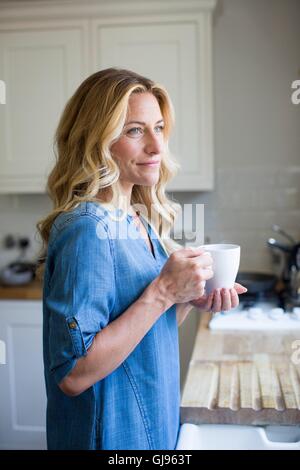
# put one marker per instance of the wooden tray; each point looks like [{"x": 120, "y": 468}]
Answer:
[{"x": 242, "y": 378}]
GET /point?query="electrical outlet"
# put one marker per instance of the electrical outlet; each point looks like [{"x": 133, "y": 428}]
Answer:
[
  {"x": 9, "y": 242},
  {"x": 23, "y": 242}
]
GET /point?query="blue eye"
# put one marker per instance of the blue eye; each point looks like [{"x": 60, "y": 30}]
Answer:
[
  {"x": 161, "y": 128},
  {"x": 136, "y": 131},
  {"x": 133, "y": 131}
]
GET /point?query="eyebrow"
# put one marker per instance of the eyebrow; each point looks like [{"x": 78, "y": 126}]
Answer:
[{"x": 142, "y": 123}]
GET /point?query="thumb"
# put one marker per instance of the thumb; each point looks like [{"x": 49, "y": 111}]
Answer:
[{"x": 239, "y": 288}]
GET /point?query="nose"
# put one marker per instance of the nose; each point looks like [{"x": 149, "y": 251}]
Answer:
[{"x": 154, "y": 144}]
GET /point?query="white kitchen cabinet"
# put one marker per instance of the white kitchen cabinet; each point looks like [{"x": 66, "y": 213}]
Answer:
[
  {"x": 46, "y": 51},
  {"x": 174, "y": 51},
  {"x": 41, "y": 68},
  {"x": 22, "y": 390}
]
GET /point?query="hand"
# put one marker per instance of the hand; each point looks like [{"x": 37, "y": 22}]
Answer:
[
  {"x": 183, "y": 276},
  {"x": 220, "y": 299}
]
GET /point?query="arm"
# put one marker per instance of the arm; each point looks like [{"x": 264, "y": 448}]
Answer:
[
  {"x": 113, "y": 344},
  {"x": 88, "y": 346}
]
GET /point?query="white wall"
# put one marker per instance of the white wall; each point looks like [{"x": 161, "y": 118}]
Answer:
[
  {"x": 257, "y": 128},
  {"x": 257, "y": 138},
  {"x": 257, "y": 134}
]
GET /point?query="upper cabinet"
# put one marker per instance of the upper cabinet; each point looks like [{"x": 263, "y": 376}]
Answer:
[
  {"x": 43, "y": 60},
  {"x": 41, "y": 69}
]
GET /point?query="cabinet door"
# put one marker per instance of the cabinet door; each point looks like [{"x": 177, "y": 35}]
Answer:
[
  {"x": 22, "y": 391},
  {"x": 41, "y": 69},
  {"x": 178, "y": 55}
]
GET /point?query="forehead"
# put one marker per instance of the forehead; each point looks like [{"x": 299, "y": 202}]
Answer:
[{"x": 143, "y": 104}]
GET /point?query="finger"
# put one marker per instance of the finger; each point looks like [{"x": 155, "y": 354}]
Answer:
[
  {"x": 205, "y": 260},
  {"x": 191, "y": 251},
  {"x": 206, "y": 304},
  {"x": 202, "y": 298},
  {"x": 202, "y": 289},
  {"x": 209, "y": 302},
  {"x": 234, "y": 298},
  {"x": 207, "y": 273},
  {"x": 217, "y": 302},
  {"x": 226, "y": 299},
  {"x": 239, "y": 288},
  {"x": 201, "y": 262}
]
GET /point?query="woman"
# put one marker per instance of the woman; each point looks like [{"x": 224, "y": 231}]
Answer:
[{"x": 112, "y": 303}]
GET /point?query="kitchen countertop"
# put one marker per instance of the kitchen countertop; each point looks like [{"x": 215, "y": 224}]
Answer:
[
  {"x": 31, "y": 291},
  {"x": 242, "y": 378}
]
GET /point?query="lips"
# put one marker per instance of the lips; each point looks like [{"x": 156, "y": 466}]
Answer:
[{"x": 152, "y": 163}]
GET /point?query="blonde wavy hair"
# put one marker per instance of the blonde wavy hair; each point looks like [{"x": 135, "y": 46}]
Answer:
[{"x": 93, "y": 119}]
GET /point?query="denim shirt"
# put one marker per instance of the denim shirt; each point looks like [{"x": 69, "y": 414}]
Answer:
[{"x": 93, "y": 273}]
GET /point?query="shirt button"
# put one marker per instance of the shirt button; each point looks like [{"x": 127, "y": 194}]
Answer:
[{"x": 72, "y": 325}]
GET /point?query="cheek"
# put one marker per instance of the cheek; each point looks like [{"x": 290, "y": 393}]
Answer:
[{"x": 124, "y": 152}]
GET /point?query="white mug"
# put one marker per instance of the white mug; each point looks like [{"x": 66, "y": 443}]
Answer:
[{"x": 226, "y": 261}]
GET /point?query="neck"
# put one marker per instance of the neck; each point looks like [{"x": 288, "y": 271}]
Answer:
[
  {"x": 126, "y": 190},
  {"x": 126, "y": 193},
  {"x": 123, "y": 201}
]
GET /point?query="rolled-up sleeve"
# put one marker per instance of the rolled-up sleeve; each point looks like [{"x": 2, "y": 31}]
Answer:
[{"x": 81, "y": 292}]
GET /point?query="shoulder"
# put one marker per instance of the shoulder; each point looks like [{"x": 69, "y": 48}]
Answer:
[
  {"x": 86, "y": 219},
  {"x": 84, "y": 210}
]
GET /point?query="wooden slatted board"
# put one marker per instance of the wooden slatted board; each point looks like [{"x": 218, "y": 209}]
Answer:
[{"x": 242, "y": 378}]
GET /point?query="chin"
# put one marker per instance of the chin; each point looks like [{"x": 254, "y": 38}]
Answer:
[{"x": 148, "y": 181}]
